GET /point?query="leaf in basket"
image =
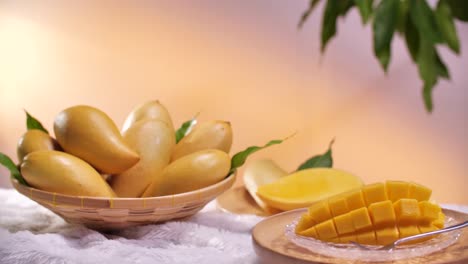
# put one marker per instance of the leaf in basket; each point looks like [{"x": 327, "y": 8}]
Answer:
[
  {"x": 10, "y": 165},
  {"x": 33, "y": 123},
  {"x": 319, "y": 161},
  {"x": 239, "y": 158},
  {"x": 185, "y": 128}
]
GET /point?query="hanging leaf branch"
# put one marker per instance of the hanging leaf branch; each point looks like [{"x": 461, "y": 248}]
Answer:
[{"x": 422, "y": 27}]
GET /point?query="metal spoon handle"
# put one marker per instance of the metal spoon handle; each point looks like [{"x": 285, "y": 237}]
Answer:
[{"x": 443, "y": 230}]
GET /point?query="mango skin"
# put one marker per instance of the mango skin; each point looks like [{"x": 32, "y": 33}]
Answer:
[
  {"x": 89, "y": 134},
  {"x": 35, "y": 140},
  {"x": 60, "y": 172},
  {"x": 154, "y": 141},
  {"x": 210, "y": 135},
  {"x": 148, "y": 110},
  {"x": 191, "y": 172}
]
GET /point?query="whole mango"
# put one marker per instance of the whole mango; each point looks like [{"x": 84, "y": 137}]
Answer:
[
  {"x": 148, "y": 110},
  {"x": 35, "y": 140}
]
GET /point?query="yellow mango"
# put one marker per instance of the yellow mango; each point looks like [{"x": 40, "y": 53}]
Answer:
[
  {"x": 367, "y": 237},
  {"x": 440, "y": 221},
  {"x": 34, "y": 140},
  {"x": 326, "y": 230},
  {"x": 310, "y": 232},
  {"x": 429, "y": 211},
  {"x": 191, "y": 172},
  {"x": 407, "y": 210},
  {"x": 154, "y": 141},
  {"x": 354, "y": 199},
  {"x": 304, "y": 223},
  {"x": 258, "y": 173},
  {"x": 338, "y": 205},
  {"x": 59, "y": 172},
  {"x": 210, "y": 135},
  {"x": 374, "y": 193},
  {"x": 419, "y": 192},
  {"x": 344, "y": 224},
  {"x": 347, "y": 238},
  {"x": 320, "y": 212},
  {"x": 397, "y": 190},
  {"x": 387, "y": 235},
  {"x": 361, "y": 219},
  {"x": 382, "y": 213},
  {"x": 148, "y": 110},
  {"x": 305, "y": 187},
  {"x": 89, "y": 134}
]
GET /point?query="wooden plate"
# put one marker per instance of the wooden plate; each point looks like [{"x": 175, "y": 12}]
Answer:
[{"x": 272, "y": 246}]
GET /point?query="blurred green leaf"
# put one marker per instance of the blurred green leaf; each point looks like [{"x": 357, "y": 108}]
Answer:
[
  {"x": 412, "y": 39},
  {"x": 305, "y": 15},
  {"x": 384, "y": 26},
  {"x": 10, "y": 165},
  {"x": 427, "y": 70},
  {"x": 33, "y": 123},
  {"x": 424, "y": 19},
  {"x": 365, "y": 9},
  {"x": 442, "y": 70},
  {"x": 185, "y": 128},
  {"x": 319, "y": 161},
  {"x": 403, "y": 16},
  {"x": 459, "y": 9},
  {"x": 446, "y": 25},
  {"x": 329, "y": 22}
]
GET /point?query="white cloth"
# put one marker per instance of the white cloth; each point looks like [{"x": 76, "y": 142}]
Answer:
[{"x": 29, "y": 233}]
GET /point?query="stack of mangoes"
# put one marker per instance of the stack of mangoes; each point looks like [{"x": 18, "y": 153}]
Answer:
[
  {"x": 141, "y": 160},
  {"x": 376, "y": 214}
]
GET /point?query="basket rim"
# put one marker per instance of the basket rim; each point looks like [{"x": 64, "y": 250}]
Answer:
[{"x": 29, "y": 189}]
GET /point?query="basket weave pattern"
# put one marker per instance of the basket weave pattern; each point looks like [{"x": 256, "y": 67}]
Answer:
[{"x": 117, "y": 213}]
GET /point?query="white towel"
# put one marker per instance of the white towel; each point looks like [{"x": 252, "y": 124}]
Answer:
[{"x": 29, "y": 233}]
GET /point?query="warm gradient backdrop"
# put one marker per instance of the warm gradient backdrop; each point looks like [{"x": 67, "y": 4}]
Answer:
[{"x": 240, "y": 61}]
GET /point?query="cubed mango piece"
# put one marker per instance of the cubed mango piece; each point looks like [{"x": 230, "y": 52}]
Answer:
[
  {"x": 387, "y": 235},
  {"x": 407, "y": 211},
  {"x": 429, "y": 211},
  {"x": 382, "y": 213},
  {"x": 304, "y": 223},
  {"x": 440, "y": 221},
  {"x": 319, "y": 212},
  {"x": 427, "y": 228},
  {"x": 338, "y": 205},
  {"x": 348, "y": 238},
  {"x": 374, "y": 193},
  {"x": 367, "y": 237},
  {"x": 397, "y": 190},
  {"x": 310, "y": 232},
  {"x": 344, "y": 224},
  {"x": 354, "y": 199},
  {"x": 361, "y": 219},
  {"x": 326, "y": 230},
  {"x": 408, "y": 230},
  {"x": 419, "y": 192}
]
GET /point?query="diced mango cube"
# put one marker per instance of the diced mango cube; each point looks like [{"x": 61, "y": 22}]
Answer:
[
  {"x": 326, "y": 230},
  {"x": 387, "y": 235},
  {"x": 338, "y": 205},
  {"x": 440, "y": 221},
  {"x": 382, "y": 213},
  {"x": 361, "y": 219},
  {"x": 310, "y": 232},
  {"x": 354, "y": 199},
  {"x": 304, "y": 223},
  {"x": 320, "y": 211},
  {"x": 374, "y": 193},
  {"x": 429, "y": 211},
  {"x": 407, "y": 211},
  {"x": 367, "y": 237},
  {"x": 344, "y": 224},
  {"x": 397, "y": 190},
  {"x": 419, "y": 192},
  {"x": 427, "y": 228},
  {"x": 347, "y": 238},
  {"x": 408, "y": 230}
]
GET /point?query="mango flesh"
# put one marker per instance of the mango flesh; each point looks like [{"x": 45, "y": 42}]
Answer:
[
  {"x": 379, "y": 222},
  {"x": 210, "y": 135},
  {"x": 148, "y": 110},
  {"x": 192, "y": 172},
  {"x": 258, "y": 173},
  {"x": 89, "y": 134},
  {"x": 303, "y": 188},
  {"x": 34, "y": 140},
  {"x": 154, "y": 141},
  {"x": 60, "y": 172}
]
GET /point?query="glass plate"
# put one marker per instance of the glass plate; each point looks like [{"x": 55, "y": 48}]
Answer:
[{"x": 350, "y": 251}]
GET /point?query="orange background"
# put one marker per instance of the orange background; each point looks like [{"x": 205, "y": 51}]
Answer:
[{"x": 245, "y": 62}]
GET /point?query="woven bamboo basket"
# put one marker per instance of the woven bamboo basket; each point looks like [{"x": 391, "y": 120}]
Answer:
[{"x": 118, "y": 213}]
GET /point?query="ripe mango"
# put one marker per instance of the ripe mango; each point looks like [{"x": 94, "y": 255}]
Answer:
[
  {"x": 191, "y": 172},
  {"x": 148, "y": 110},
  {"x": 34, "y": 140},
  {"x": 304, "y": 187},
  {"x": 210, "y": 135},
  {"x": 60, "y": 172},
  {"x": 89, "y": 134},
  {"x": 154, "y": 141}
]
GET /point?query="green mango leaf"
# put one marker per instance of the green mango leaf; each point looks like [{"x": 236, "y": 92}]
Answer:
[
  {"x": 427, "y": 64},
  {"x": 385, "y": 19},
  {"x": 239, "y": 158},
  {"x": 185, "y": 128},
  {"x": 365, "y": 9},
  {"x": 442, "y": 70},
  {"x": 305, "y": 15},
  {"x": 403, "y": 17},
  {"x": 446, "y": 25},
  {"x": 424, "y": 19},
  {"x": 412, "y": 39},
  {"x": 33, "y": 123},
  {"x": 329, "y": 22},
  {"x": 344, "y": 6},
  {"x": 319, "y": 161},
  {"x": 459, "y": 9},
  {"x": 427, "y": 96},
  {"x": 8, "y": 163}
]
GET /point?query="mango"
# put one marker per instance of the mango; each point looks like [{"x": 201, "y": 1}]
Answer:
[
  {"x": 89, "y": 134},
  {"x": 258, "y": 173},
  {"x": 148, "y": 110},
  {"x": 192, "y": 172},
  {"x": 210, "y": 135},
  {"x": 60, "y": 172},
  {"x": 378, "y": 213},
  {"x": 154, "y": 141},
  {"x": 34, "y": 140},
  {"x": 303, "y": 188}
]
